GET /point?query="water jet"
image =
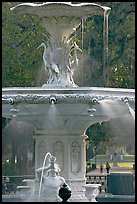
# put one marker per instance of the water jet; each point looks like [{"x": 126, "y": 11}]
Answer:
[{"x": 53, "y": 100}]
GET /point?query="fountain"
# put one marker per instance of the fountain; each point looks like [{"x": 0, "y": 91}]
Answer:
[{"x": 60, "y": 110}]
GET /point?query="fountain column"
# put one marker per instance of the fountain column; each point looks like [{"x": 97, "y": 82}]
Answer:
[{"x": 69, "y": 151}]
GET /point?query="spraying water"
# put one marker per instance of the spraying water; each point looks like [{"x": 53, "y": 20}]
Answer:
[
  {"x": 131, "y": 111},
  {"x": 46, "y": 156},
  {"x": 53, "y": 119},
  {"x": 121, "y": 122},
  {"x": 113, "y": 108},
  {"x": 105, "y": 52}
]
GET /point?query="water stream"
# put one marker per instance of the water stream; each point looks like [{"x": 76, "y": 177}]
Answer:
[
  {"x": 113, "y": 108},
  {"x": 53, "y": 119},
  {"x": 105, "y": 45},
  {"x": 45, "y": 159},
  {"x": 131, "y": 111}
]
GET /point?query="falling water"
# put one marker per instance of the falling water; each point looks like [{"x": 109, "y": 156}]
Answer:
[
  {"x": 50, "y": 117},
  {"x": 45, "y": 158},
  {"x": 53, "y": 119},
  {"x": 121, "y": 123},
  {"x": 113, "y": 108},
  {"x": 131, "y": 111},
  {"x": 105, "y": 51}
]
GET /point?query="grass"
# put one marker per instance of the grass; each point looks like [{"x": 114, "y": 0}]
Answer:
[
  {"x": 120, "y": 164},
  {"x": 126, "y": 164}
]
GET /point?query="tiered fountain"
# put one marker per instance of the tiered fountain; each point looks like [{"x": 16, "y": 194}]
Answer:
[{"x": 60, "y": 110}]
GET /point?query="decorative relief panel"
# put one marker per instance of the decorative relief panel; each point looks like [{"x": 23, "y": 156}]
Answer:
[
  {"x": 75, "y": 157},
  {"x": 58, "y": 149}
]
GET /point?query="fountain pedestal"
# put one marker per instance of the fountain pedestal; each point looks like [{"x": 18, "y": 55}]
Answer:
[{"x": 70, "y": 155}]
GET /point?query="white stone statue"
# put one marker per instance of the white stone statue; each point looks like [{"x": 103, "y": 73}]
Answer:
[
  {"x": 51, "y": 60},
  {"x": 60, "y": 60},
  {"x": 51, "y": 182}
]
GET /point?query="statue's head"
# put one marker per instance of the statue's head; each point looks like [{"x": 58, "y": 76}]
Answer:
[{"x": 54, "y": 167}]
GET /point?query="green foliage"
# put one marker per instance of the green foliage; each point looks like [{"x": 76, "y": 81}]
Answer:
[
  {"x": 121, "y": 44},
  {"x": 98, "y": 133},
  {"x": 121, "y": 47},
  {"x": 120, "y": 76},
  {"x": 5, "y": 168},
  {"x": 19, "y": 48},
  {"x": 99, "y": 136},
  {"x": 5, "y": 121}
]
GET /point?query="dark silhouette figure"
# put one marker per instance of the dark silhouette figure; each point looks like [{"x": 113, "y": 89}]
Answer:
[
  {"x": 101, "y": 168},
  {"x": 107, "y": 167}
]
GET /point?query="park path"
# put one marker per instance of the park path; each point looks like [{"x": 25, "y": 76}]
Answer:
[{"x": 114, "y": 169}]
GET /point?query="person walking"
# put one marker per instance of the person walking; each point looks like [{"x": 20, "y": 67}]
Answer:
[
  {"x": 107, "y": 167},
  {"x": 101, "y": 168}
]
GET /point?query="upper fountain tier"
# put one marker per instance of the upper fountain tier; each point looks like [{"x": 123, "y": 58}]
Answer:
[
  {"x": 57, "y": 9},
  {"x": 61, "y": 19}
]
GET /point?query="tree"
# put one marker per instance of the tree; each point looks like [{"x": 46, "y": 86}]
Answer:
[
  {"x": 99, "y": 136},
  {"x": 121, "y": 47},
  {"x": 20, "y": 59}
]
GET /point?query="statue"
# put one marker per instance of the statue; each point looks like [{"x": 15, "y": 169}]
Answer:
[
  {"x": 60, "y": 60},
  {"x": 50, "y": 182},
  {"x": 50, "y": 60}
]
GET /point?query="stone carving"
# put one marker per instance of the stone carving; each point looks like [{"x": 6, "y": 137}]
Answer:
[
  {"x": 63, "y": 98},
  {"x": 59, "y": 152},
  {"x": 50, "y": 182},
  {"x": 75, "y": 157},
  {"x": 51, "y": 60},
  {"x": 61, "y": 20},
  {"x": 60, "y": 60}
]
